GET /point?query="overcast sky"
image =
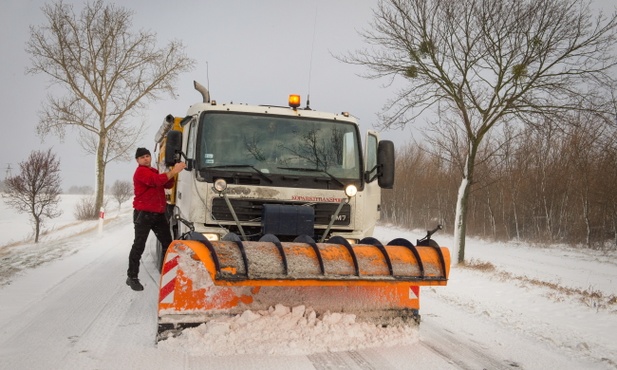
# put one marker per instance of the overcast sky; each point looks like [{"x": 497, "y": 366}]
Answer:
[{"x": 255, "y": 52}]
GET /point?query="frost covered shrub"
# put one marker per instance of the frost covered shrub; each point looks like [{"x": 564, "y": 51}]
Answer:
[{"x": 85, "y": 209}]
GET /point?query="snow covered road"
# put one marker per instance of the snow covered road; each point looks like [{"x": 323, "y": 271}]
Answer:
[{"x": 76, "y": 312}]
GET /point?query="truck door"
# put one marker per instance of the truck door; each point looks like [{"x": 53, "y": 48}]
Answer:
[{"x": 372, "y": 191}]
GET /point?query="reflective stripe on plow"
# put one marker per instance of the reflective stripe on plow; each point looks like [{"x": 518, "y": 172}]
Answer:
[
  {"x": 168, "y": 280},
  {"x": 412, "y": 295}
]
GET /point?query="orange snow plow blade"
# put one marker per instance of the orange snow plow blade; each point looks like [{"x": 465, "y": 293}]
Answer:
[{"x": 203, "y": 279}]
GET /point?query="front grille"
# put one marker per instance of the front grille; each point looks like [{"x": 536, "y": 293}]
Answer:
[{"x": 249, "y": 210}]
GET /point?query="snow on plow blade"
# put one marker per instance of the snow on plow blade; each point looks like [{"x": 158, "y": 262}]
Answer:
[{"x": 203, "y": 279}]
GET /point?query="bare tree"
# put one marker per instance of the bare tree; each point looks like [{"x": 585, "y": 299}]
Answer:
[
  {"x": 36, "y": 190},
  {"x": 482, "y": 63},
  {"x": 122, "y": 191},
  {"x": 109, "y": 74}
]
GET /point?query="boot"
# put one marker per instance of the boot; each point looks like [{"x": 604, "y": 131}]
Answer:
[{"x": 134, "y": 283}]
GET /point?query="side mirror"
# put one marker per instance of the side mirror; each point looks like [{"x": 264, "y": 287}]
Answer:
[
  {"x": 173, "y": 148},
  {"x": 385, "y": 164}
]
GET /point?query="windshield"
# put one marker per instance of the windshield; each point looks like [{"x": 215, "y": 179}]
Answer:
[{"x": 278, "y": 145}]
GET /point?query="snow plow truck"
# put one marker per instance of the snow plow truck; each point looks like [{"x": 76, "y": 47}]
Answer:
[{"x": 277, "y": 205}]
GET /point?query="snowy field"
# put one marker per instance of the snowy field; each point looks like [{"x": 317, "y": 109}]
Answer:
[
  {"x": 19, "y": 227},
  {"x": 64, "y": 305}
]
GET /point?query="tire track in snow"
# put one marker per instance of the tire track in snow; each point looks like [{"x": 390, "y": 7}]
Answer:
[
  {"x": 73, "y": 313},
  {"x": 481, "y": 341},
  {"x": 347, "y": 360},
  {"x": 464, "y": 354}
]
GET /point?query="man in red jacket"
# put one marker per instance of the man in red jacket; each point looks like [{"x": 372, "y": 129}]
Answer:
[{"x": 149, "y": 210}]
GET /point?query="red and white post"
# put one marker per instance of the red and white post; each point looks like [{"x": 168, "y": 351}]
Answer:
[{"x": 101, "y": 220}]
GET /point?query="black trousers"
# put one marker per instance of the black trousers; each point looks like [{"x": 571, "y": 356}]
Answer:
[{"x": 144, "y": 222}]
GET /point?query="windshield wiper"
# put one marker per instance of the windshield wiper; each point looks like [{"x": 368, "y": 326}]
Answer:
[
  {"x": 313, "y": 170},
  {"x": 261, "y": 174}
]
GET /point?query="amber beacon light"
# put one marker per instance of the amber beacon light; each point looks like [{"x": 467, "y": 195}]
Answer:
[{"x": 294, "y": 101}]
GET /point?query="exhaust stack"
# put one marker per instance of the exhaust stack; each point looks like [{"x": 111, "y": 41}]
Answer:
[{"x": 204, "y": 92}]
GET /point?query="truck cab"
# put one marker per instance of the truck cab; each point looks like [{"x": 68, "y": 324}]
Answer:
[{"x": 254, "y": 170}]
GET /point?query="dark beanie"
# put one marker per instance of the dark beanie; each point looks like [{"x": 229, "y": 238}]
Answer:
[{"x": 141, "y": 151}]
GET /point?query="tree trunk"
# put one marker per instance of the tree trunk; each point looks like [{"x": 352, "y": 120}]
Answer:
[
  {"x": 516, "y": 227},
  {"x": 587, "y": 220},
  {"x": 491, "y": 215},
  {"x": 100, "y": 174},
  {"x": 548, "y": 226},
  {"x": 462, "y": 201},
  {"x": 615, "y": 230},
  {"x": 37, "y": 228},
  {"x": 460, "y": 217}
]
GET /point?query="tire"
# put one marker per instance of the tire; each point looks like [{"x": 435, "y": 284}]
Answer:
[{"x": 159, "y": 256}]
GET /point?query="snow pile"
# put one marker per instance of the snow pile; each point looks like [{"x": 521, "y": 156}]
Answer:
[{"x": 281, "y": 330}]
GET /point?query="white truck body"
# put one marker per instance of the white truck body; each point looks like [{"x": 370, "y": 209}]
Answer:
[{"x": 274, "y": 155}]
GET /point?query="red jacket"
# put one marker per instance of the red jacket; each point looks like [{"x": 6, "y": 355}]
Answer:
[{"x": 150, "y": 188}]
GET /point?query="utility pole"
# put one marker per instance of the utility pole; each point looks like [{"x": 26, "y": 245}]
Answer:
[{"x": 7, "y": 172}]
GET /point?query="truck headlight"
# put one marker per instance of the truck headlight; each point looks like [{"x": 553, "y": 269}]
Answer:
[
  {"x": 212, "y": 237},
  {"x": 351, "y": 191},
  {"x": 220, "y": 185},
  {"x": 352, "y": 241}
]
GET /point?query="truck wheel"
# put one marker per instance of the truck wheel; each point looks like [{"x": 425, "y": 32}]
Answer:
[{"x": 159, "y": 256}]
